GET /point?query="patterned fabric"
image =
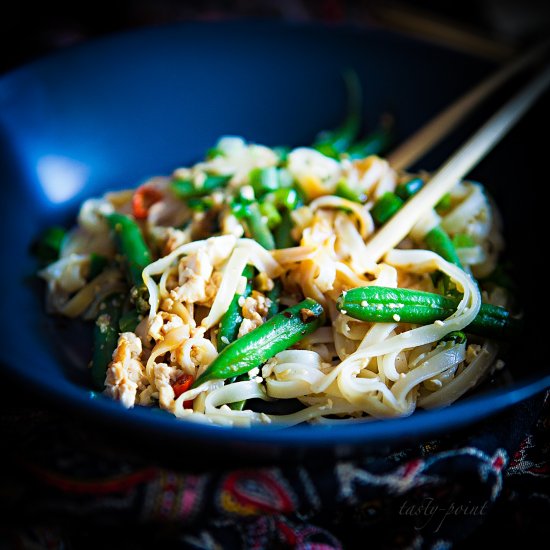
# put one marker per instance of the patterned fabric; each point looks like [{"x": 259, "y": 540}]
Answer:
[{"x": 63, "y": 487}]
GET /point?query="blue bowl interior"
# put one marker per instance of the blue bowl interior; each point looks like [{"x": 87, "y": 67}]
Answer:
[{"x": 110, "y": 113}]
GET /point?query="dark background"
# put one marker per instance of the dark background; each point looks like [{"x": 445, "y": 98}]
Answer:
[{"x": 32, "y": 29}]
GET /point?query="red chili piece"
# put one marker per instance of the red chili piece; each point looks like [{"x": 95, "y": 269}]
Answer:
[{"x": 144, "y": 197}]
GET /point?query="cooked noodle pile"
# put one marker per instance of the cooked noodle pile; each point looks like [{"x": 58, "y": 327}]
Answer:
[{"x": 346, "y": 371}]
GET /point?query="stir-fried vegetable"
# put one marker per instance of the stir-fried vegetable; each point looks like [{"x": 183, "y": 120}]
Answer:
[
  {"x": 229, "y": 324},
  {"x": 187, "y": 189},
  {"x": 144, "y": 197},
  {"x": 332, "y": 143},
  {"x": 385, "y": 305},
  {"x": 255, "y": 348},
  {"x": 131, "y": 246},
  {"x": 438, "y": 240},
  {"x": 106, "y": 331}
]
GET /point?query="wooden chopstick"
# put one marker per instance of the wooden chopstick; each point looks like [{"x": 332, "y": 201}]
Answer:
[
  {"x": 456, "y": 167},
  {"x": 434, "y": 131},
  {"x": 431, "y": 27}
]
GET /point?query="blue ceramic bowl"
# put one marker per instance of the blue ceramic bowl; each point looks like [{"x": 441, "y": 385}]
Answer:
[{"x": 112, "y": 112}]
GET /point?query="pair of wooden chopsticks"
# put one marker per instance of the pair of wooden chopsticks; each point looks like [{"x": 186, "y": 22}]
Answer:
[{"x": 467, "y": 156}]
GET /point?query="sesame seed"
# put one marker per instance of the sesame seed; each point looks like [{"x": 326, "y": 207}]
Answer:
[
  {"x": 396, "y": 317},
  {"x": 224, "y": 339},
  {"x": 440, "y": 323},
  {"x": 364, "y": 303},
  {"x": 343, "y": 311}
]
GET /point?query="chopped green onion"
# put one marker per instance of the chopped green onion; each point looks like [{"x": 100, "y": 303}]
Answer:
[
  {"x": 282, "y": 152},
  {"x": 186, "y": 189},
  {"x": 214, "y": 152},
  {"x": 200, "y": 204},
  {"x": 444, "y": 203},
  {"x": 268, "y": 210},
  {"x": 408, "y": 189},
  {"x": 264, "y": 180},
  {"x": 462, "y": 240},
  {"x": 385, "y": 207},
  {"x": 346, "y": 192}
]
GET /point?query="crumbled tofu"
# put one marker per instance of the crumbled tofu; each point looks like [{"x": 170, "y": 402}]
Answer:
[
  {"x": 162, "y": 323},
  {"x": 126, "y": 374},
  {"x": 164, "y": 376},
  {"x": 263, "y": 283},
  {"x": 254, "y": 310},
  {"x": 247, "y": 325},
  {"x": 194, "y": 272},
  {"x": 211, "y": 288}
]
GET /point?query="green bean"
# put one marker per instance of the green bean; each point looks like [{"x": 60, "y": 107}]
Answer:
[
  {"x": 439, "y": 241},
  {"x": 131, "y": 246},
  {"x": 334, "y": 142},
  {"x": 229, "y": 324},
  {"x": 288, "y": 198},
  {"x": 385, "y": 207},
  {"x": 256, "y": 226},
  {"x": 386, "y": 305},
  {"x": 129, "y": 321},
  {"x": 106, "y": 331},
  {"x": 456, "y": 336},
  {"x": 463, "y": 240},
  {"x": 436, "y": 239},
  {"x": 186, "y": 189},
  {"x": 255, "y": 348},
  {"x": 444, "y": 203},
  {"x": 273, "y": 296},
  {"x": 283, "y": 232}
]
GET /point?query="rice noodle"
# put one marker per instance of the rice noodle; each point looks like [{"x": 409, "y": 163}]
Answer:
[{"x": 347, "y": 371}]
